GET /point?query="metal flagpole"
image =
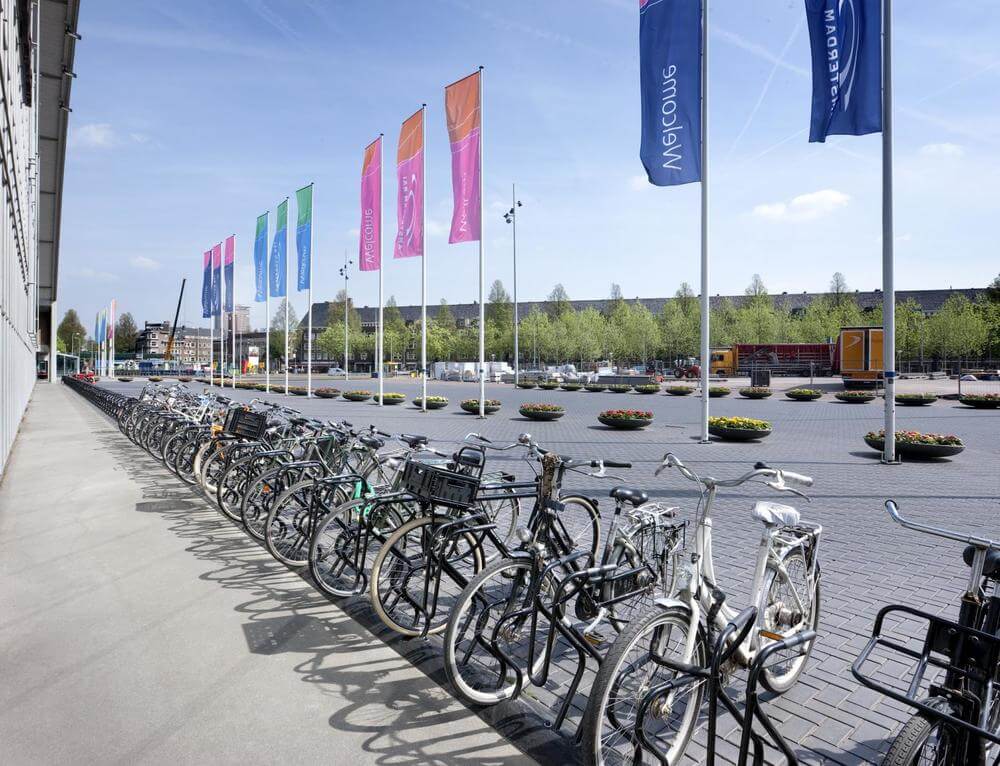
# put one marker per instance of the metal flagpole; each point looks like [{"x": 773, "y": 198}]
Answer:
[
  {"x": 888, "y": 285},
  {"x": 423, "y": 259},
  {"x": 309, "y": 337},
  {"x": 347, "y": 372},
  {"x": 482, "y": 260},
  {"x": 267, "y": 311},
  {"x": 222, "y": 325},
  {"x": 381, "y": 233},
  {"x": 705, "y": 307},
  {"x": 211, "y": 345},
  {"x": 513, "y": 223},
  {"x": 287, "y": 285},
  {"x": 233, "y": 317}
]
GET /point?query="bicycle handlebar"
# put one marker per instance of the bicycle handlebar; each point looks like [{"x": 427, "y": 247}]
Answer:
[{"x": 979, "y": 542}]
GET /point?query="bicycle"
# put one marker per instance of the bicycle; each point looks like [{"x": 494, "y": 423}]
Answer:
[
  {"x": 958, "y": 716},
  {"x": 785, "y": 590}
]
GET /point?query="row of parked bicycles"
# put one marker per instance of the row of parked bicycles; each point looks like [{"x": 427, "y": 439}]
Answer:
[{"x": 517, "y": 574}]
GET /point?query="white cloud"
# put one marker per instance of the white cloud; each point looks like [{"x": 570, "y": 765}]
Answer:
[
  {"x": 436, "y": 228},
  {"x": 639, "y": 183},
  {"x": 144, "y": 263},
  {"x": 97, "y": 276},
  {"x": 805, "y": 207},
  {"x": 942, "y": 150},
  {"x": 139, "y": 138},
  {"x": 97, "y": 135}
]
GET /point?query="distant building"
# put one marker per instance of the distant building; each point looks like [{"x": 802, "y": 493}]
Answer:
[
  {"x": 240, "y": 319},
  {"x": 191, "y": 344}
]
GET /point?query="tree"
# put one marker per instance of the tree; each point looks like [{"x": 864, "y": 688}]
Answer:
[
  {"x": 756, "y": 287},
  {"x": 616, "y": 292},
  {"x": 838, "y": 288},
  {"x": 957, "y": 330},
  {"x": 70, "y": 326},
  {"x": 444, "y": 317},
  {"x": 126, "y": 334},
  {"x": 558, "y": 302},
  {"x": 993, "y": 291},
  {"x": 335, "y": 310},
  {"x": 278, "y": 331},
  {"x": 499, "y": 322},
  {"x": 330, "y": 342}
]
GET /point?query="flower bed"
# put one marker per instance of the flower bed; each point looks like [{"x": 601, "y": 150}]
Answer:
[
  {"x": 570, "y": 386},
  {"x": 327, "y": 393},
  {"x": 915, "y": 400},
  {"x": 755, "y": 392},
  {"x": 357, "y": 396},
  {"x": 526, "y": 384},
  {"x": 648, "y": 388},
  {"x": 391, "y": 397},
  {"x": 714, "y": 392},
  {"x": 981, "y": 401},
  {"x": 184, "y": 379},
  {"x": 619, "y": 388},
  {"x": 297, "y": 390},
  {"x": 804, "y": 394},
  {"x": 433, "y": 402},
  {"x": 680, "y": 390},
  {"x": 855, "y": 397},
  {"x": 626, "y": 419},
  {"x": 472, "y": 405},
  {"x": 916, "y": 444},
  {"x": 594, "y": 387},
  {"x": 538, "y": 411},
  {"x": 739, "y": 429},
  {"x": 549, "y": 385}
]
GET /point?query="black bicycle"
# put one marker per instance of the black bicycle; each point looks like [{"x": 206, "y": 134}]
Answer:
[{"x": 955, "y": 679}]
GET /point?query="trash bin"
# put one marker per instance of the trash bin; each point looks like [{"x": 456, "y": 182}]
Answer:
[{"x": 761, "y": 378}]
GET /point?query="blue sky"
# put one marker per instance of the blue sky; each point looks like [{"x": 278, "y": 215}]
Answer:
[{"x": 191, "y": 118}]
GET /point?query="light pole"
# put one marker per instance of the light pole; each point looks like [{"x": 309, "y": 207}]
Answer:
[
  {"x": 511, "y": 217},
  {"x": 343, "y": 273}
]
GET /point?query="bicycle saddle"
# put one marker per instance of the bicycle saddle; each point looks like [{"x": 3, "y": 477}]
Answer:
[
  {"x": 412, "y": 440},
  {"x": 991, "y": 567},
  {"x": 371, "y": 442},
  {"x": 775, "y": 513},
  {"x": 635, "y": 497}
]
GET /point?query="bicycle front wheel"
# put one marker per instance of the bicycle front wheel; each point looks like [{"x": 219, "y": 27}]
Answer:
[
  {"x": 632, "y": 668},
  {"x": 926, "y": 741}
]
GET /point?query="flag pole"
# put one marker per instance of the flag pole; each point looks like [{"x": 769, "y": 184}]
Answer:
[
  {"x": 286, "y": 296},
  {"x": 705, "y": 303},
  {"x": 222, "y": 323},
  {"x": 423, "y": 259},
  {"x": 309, "y": 337},
  {"x": 381, "y": 251},
  {"x": 888, "y": 236},
  {"x": 513, "y": 222},
  {"x": 233, "y": 315},
  {"x": 482, "y": 259},
  {"x": 267, "y": 309},
  {"x": 347, "y": 372},
  {"x": 211, "y": 342}
]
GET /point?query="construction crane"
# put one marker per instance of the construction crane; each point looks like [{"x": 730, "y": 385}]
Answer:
[{"x": 173, "y": 327}]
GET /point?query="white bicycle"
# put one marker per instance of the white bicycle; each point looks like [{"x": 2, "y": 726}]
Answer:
[{"x": 675, "y": 637}]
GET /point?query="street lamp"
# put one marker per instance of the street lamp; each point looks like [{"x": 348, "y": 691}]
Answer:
[
  {"x": 343, "y": 273},
  {"x": 511, "y": 217}
]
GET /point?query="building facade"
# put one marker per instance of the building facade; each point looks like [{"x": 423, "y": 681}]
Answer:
[
  {"x": 191, "y": 344},
  {"x": 36, "y": 71}
]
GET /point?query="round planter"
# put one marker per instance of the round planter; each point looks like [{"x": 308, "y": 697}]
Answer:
[
  {"x": 297, "y": 392},
  {"x": 525, "y": 385},
  {"x": 981, "y": 404},
  {"x": 647, "y": 390},
  {"x": 907, "y": 402},
  {"x": 543, "y": 416},
  {"x": 738, "y": 434},
  {"x": 431, "y": 405},
  {"x": 324, "y": 394},
  {"x": 802, "y": 397},
  {"x": 685, "y": 391},
  {"x": 570, "y": 386},
  {"x": 619, "y": 389},
  {"x": 124, "y": 380},
  {"x": 918, "y": 450},
  {"x": 755, "y": 395},
  {"x": 357, "y": 397},
  {"x": 717, "y": 394},
  {"x": 593, "y": 389},
  {"x": 548, "y": 386},
  {"x": 625, "y": 424},
  {"x": 855, "y": 399},
  {"x": 390, "y": 402},
  {"x": 489, "y": 409},
  {"x": 184, "y": 379}
]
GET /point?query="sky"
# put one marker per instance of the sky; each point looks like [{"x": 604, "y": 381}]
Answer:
[{"x": 192, "y": 118}]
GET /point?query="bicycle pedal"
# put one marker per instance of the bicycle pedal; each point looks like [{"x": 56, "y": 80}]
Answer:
[{"x": 771, "y": 636}]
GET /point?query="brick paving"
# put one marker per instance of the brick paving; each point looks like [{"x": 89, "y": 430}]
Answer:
[{"x": 867, "y": 560}]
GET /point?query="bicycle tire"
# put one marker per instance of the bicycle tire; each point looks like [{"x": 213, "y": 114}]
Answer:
[
  {"x": 908, "y": 745},
  {"x": 769, "y": 679}
]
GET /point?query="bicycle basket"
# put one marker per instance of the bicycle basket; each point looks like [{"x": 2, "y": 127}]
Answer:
[
  {"x": 438, "y": 485},
  {"x": 246, "y": 424}
]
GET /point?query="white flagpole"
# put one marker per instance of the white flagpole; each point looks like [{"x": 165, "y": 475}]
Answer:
[
  {"x": 705, "y": 304},
  {"x": 287, "y": 290},
  {"x": 482, "y": 257},
  {"x": 233, "y": 316},
  {"x": 211, "y": 344},
  {"x": 423, "y": 259},
  {"x": 381, "y": 251},
  {"x": 222, "y": 323},
  {"x": 309, "y": 338},
  {"x": 347, "y": 373},
  {"x": 888, "y": 235},
  {"x": 114, "y": 306},
  {"x": 267, "y": 307}
]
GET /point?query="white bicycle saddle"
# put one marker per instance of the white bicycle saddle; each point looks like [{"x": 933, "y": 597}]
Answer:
[{"x": 775, "y": 513}]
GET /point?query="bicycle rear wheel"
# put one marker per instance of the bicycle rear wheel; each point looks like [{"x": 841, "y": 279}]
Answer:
[{"x": 289, "y": 526}]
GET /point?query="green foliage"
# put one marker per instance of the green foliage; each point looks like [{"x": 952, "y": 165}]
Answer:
[
  {"x": 126, "y": 334},
  {"x": 68, "y": 327}
]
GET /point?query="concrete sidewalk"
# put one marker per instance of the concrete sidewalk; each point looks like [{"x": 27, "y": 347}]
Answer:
[{"x": 138, "y": 625}]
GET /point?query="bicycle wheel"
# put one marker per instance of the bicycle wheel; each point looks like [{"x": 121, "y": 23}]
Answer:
[
  {"x": 185, "y": 460},
  {"x": 289, "y": 525},
  {"x": 926, "y": 741},
  {"x": 631, "y": 669},
  {"x": 399, "y": 572},
  {"x": 504, "y": 513},
  {"x": 234, "y": 482},
  {"x": 345, "y": 542},
  {"x": 790, "y": 606},
  {"x": 258, "y": 500},
  {"x": 479, "y": 674},
  {"x": 649, "y": 547},
  {"x": 578, "y": 525},
  {"x": 213, "y": 465}
]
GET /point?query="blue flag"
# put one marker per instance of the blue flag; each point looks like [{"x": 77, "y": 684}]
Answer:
[
  {"x": 279, "y": 246},
  {"x": 260, "y": 258},
  {"x": 206, "y": 285},
  {"x": 303, "y": 235},
  {"x": 846, "y": 41},
  {"x": 670, "y": 82},
  {"x": 217, "y": 280}
]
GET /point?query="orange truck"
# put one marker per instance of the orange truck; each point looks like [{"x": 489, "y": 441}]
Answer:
[{"x": 859, "y": 356}]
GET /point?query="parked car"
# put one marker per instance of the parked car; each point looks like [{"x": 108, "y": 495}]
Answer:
[{"x": 335, "y": 371}]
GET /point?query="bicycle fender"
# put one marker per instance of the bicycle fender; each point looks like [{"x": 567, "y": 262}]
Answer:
[{"x": 671, "y": 603}]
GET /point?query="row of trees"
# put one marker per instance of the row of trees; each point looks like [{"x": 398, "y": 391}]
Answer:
[
  {"x": 628, "y": 332},
  {"x": 71, "y": 335}
]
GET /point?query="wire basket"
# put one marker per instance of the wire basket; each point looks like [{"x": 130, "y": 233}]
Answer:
[
  {"x": 246, "y": 424},
  {"x": 438, "y": 485}
]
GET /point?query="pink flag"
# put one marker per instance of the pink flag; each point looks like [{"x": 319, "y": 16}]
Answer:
[
  {"x": 461, "y": 104},
  {"x": 370, "y": 248},
  {"x": 410, "y": 172}
]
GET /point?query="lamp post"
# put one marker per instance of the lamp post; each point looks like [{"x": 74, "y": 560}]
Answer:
[
  {"x": 343, "y": 273},
  {"x": 511, "y": 217}
]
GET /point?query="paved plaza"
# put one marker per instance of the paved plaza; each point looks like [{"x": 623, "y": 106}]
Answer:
[{"x": 148, "y": 628}]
